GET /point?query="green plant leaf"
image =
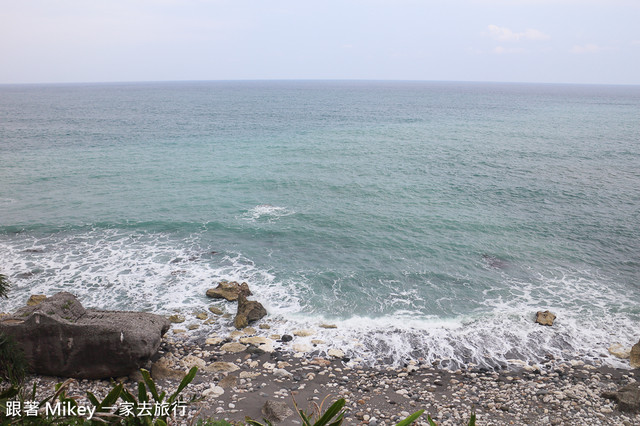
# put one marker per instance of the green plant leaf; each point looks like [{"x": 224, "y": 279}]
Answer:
[
  {"x": 305, "y": 419},
  {"x": 183, "y": 384},
  {"x": 91, "y": 397},
  {"x": 112, "y": 396},
  {"x": 431, "y": 422},
  {"x": 127, "y": 397},
  {"x": 410, "y": 419},
  {"x": 331, "y": 412},
  {"x": 150, "y": 384},
  {"x": 142, "y": 393},
  {"x": 9, "y": 393},
  {"x": 338, "y": 421},
  {"x": 472, "y": 420}
]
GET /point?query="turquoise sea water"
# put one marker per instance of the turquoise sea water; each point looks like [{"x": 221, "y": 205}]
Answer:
[{"x": 425, "y": 219}]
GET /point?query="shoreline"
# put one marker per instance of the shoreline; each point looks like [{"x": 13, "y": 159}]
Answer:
[{"x": 237, "y": 384}]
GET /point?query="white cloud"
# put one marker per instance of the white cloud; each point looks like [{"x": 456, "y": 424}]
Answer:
[
  {"x": 500, "y": 50},
  {"x": 505, "y": 34},
  {"x": 588, "y": 48}
]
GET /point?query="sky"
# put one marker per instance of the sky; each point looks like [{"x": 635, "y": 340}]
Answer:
[{"x": 545, "y": 41}]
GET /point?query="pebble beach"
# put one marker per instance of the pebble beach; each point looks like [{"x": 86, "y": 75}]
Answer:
[{"x": 236, "y": 379}]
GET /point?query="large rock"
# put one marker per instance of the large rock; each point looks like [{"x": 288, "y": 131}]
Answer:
[
  {"x": 545, "y": 318},
  {"x": 248, "y": 310},
  {"x": 233, "y": 347},
  {"x": 221, "y": 367},
  {"x": 228, "y": 290},
  {"x": 634, "y": 356},
  {"x": 62, "y": 338},
  {"x": 628, "y": 397},
  {"x": 276, "y": 411},
  {"x": 163, "y": 369}
]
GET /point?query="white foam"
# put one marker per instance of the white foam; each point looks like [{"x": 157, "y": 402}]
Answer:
[
  {"x": 118, "y": 269},
  {"x": 266, "y": 212}
]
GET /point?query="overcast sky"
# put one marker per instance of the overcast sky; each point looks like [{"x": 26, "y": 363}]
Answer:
[{"x": 555, "y": 41}]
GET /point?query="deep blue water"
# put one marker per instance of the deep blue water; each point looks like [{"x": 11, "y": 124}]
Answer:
[{"x": 425, "y": 219}]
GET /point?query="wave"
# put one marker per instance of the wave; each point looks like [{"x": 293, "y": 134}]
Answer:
[
  {"x": 121, "y": 268},
  {"x": 266, "y": 212}
]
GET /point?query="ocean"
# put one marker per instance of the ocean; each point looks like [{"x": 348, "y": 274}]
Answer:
[{"x": 426, "y": 220}]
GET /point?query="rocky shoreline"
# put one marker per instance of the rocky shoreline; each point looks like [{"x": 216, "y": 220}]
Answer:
[
  {"x": 242, "y": 370},
  {"x": 238, "y": 380}
]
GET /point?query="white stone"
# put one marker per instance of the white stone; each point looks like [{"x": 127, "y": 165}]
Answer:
[
  {"x": 193, "y": 361},
  {"x": 281, "y": 372},
  {"x": 213, "y": 392},
  {"x": 233, "y": 347},
  {"x": 256, "y": 340},
  {"x": 336, "y": 353},
  {"x": 302, "y": 347}
]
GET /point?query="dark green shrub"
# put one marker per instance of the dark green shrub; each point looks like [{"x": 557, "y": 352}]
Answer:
[{"x": 13, "y": 364}]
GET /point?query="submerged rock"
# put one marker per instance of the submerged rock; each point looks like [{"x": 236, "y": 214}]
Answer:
[
  {"x": 328, "y": 326},
  {"x": 545, "y": 318},
  {"x": 177, "y": 319},
  {"x": 215, "y": 310},
  {"x": 62, "y": 338},
  {"x": 619, "y": 351},
  {"x": 228, "y": 290}
]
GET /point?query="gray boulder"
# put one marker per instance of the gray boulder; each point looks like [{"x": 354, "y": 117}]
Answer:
[
  {"x": 248, "y": 310},
  {"x": 627, "y": 397},
  {"x": 62, "y": 338},
  {"x": 276, "y": 411}
]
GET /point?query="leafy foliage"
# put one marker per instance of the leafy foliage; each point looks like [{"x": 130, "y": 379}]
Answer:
[
  {"x": 103, "y": 415},
  {"x": 13, "y": 364},
  {"x": 166, "y": 405},
  {"x": 334, "y": 416},
  {"x": 212, "y": 422}
]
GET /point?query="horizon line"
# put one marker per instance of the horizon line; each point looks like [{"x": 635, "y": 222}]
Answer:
[{"x": 247, "y": 80}]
